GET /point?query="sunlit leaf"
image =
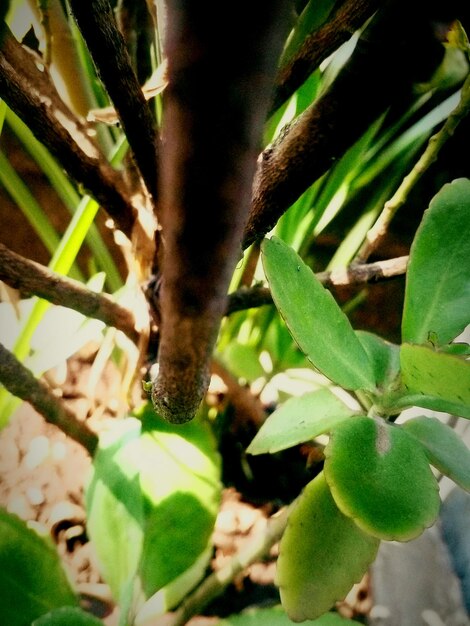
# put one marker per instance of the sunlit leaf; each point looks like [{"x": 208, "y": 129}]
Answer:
[
  {"x": 299, "y": 419},
  {"x": 115, "y": 514},
  {"x": 380, "y": 477},
  {"x": 444, "y": 448},
  {"x": 316, "y": 322},
  {"x": 155, "y": 486},
  {"x": 322, "y": 554},
  {"x": 243, "y": 361},
  {"x": 32, "y": 580},
  {"x": 437, "y": 295},
  {"x": 437, "y": 380}
]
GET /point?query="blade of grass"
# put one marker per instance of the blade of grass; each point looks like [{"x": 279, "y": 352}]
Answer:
[
  {"x": 3, "y": 109},
  {"x": 29, "y": 206},
  {"x": 68, "y": 194},
  {"x": 61, "y": 262}
]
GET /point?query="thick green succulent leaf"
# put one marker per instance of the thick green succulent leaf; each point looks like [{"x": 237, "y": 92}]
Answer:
[
  {"x": 67, "y": 616},
  {"x": 380, "y": 477},
  {"x": 321, "y": 554},
  {"x": 384, "y": 356},
  {"x": 444, "y": 448},
  {"x": 32, "y": 580},
  {"x": 437, "y": 294},
  {"x": 152, "y": 503},
  {"x": 276, "y": 616},
  {"x": 299, "y": 419},
  {"x": 316, "y": 322},
  {"x": 438, "y": 375}
]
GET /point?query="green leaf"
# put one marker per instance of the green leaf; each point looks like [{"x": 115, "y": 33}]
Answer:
[
  {"x": 243, "y": 361},
  {"x": 437, "y": 294},
  {"x": 321, "y": 330},
  {"x": 384, "y": 356},
  {"x": 299, "y": 419},
  {"x": 152, "y": 502},
  {"x": 444, "y": 448},
  {"x": 438, "y": 375},
  {"x": 380, "y": 477},
  {"x": 115, "y": 516},
  {"x": 276, "y": 616},
  {"x": 32, "y": 580},
  {"x": 321, "y": 554},
  {"x": 67, "y": 616}
]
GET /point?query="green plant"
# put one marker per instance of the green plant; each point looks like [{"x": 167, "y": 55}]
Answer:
[
  {"x": 232, "y": 160},
  {"x": 376, "y": 483}
]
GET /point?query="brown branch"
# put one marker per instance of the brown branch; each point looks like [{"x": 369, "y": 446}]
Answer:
[
  {"x": 247, "y": 406},
  {"x": 319, "y": 45},
  {"x": 386, "y": 61},
  {"x": 32, "y": 278},
  {"x": 354, "y": 275},
  {"x": 215, "y": 105},
  {"x": 32, "y": 96},
  {"x": 107, "y": 47},
  {"x": 20, "y": 381}
]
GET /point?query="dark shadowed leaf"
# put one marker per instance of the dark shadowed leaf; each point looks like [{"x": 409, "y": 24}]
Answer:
[
  {"x": 32, "y": 580},
  {"x": 67, "y": 616}
]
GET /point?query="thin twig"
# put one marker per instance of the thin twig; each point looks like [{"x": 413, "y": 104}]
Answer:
[
  {"x": 377, "y": 75},
  {"x": 32, "y": 278},
  {"x": 354, "y": 275},
  {"x": 21, "y": 382},
  {"x": 107, "y": 47},
  {"x": 378, "y": 231},
  {"x": 217, "y": 582},
  {"x": 319, "y": 45},
  {"x": 31, "y": 95},
  {"x": 247, "y": 406}
]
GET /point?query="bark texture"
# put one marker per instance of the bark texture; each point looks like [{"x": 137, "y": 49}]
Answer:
[{"x": 221, "y": 68}]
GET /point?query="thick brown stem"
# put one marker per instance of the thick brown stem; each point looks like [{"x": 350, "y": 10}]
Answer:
[
  {"x": 19, "y": 381},
  {"x": 387, "y": 59},
  {"x": 108, "y": 49},
  {"x": 215, "y": 107},
  {"x": 33, "y": 278},
  {"x": 31, "y": 95}
]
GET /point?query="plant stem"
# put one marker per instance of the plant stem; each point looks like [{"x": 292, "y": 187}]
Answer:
[
  {"x": 20, "y": 381},
  {"x": 354, "y": 275},
  {"x": 319, "y": 45},
  {"x": 378, "y": 74},
  {"x": 436, "y": 142},
  {"x": 32, "y": 96},
  {"x": 98, "y": 26},
  {"x": 215, "y": 584},
  {"x": 33, "y": 278}
]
